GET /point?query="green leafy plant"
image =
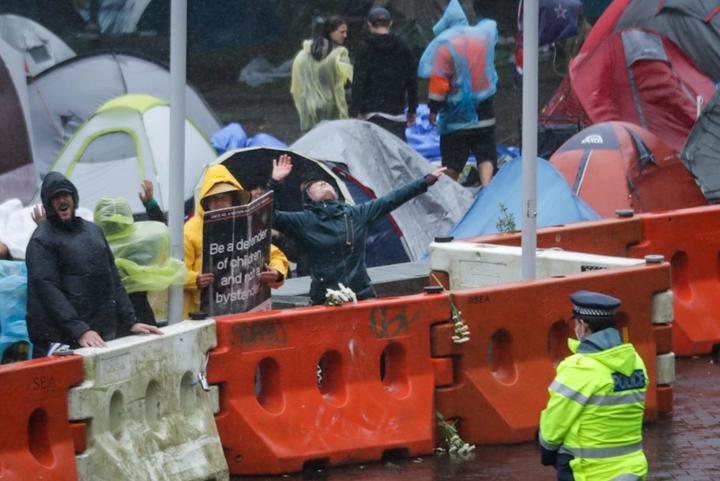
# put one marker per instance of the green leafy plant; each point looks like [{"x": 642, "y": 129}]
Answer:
[{"x": 506, "y": 221}]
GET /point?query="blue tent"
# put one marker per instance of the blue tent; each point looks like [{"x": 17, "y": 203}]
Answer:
[{"x": 556, "y": 204}]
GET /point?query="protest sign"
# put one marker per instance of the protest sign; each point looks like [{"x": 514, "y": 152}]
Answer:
[{"x": 236, "y": 246}]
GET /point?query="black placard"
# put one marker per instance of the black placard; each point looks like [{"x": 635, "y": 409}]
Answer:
[{"x": 236, "y": 246}]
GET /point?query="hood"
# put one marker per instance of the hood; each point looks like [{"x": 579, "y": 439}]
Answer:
[
  {"x": 326, "y": 209},
  {"x": 114, "y": 216},
  {"x": 454, "y": 16},
  {"x": 54, "y": 183},
  {"x": 216, "y": 174},
  {"x": 607, "y": 347},
  {"x": 384, "y": 41}
]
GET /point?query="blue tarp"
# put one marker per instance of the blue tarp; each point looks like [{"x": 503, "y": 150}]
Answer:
[
  {"x": 556, "y": 204},
  {"x": 233, "y": 136},
  {"x": 424, "y": 138},
  {"x": 13, "y": 297}
]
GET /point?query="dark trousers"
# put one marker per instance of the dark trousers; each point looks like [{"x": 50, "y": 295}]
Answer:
[{"x": 397, "y": 128}]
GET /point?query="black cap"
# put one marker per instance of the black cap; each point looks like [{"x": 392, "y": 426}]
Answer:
[
  {"x": 379, "y": 14},
  {"x": 589, "y": 305}
]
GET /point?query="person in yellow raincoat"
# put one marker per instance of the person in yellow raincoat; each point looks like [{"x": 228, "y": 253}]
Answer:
[
  {"x": 320, "y": 72},
  {"x": 219, "y": 190}
]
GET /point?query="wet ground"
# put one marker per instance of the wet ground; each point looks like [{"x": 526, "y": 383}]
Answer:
[{"x": 681, "y": 446}]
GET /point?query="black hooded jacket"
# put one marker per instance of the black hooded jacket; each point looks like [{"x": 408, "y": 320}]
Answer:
[
  {"x": 384, "y": 77},
  {"x": 73, "y": 285}
]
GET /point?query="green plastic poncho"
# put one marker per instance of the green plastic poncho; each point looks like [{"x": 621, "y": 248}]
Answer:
[
  {"x": 318, "y": 87},
  {"x": 141, "y": 249}
]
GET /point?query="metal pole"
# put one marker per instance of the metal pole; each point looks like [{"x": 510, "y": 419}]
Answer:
[
  {"x": 531, "y": 21},
  {"x": 178, "y": 59}
]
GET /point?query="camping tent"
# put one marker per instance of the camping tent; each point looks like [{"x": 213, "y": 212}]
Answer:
[
  {"x": 125, "y": 142},
  {"x": 502, "y": 200},
  {"x": 657, "y": 89},
  {"x": 17, "y": 173},
  {"x": 41, "y": 48},
  {"x": 694, "y": 26},
  {"x": 383, "y": 162},
  {"x": 62, "y": 98},
  {"x": 617, "y": 165},
  {"x": 702, "y": 150},
  {"x": 253, "y": 166}
]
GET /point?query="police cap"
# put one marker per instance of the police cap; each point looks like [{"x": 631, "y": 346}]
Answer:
[{"x": 589, "y": 305}]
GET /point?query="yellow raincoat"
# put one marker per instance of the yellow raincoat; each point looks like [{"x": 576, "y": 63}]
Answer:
[
  {"x": 318, "y": 87},
  {"x": 193, "y": 236}
]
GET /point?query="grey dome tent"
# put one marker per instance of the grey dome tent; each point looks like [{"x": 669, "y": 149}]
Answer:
[
  {"x": 382, "y": 162},
  {"x": 41, "y": 48},
  {"x": 62, "y": 98},
  {"x": 701, "y": 153},
  {"x": 17, "y": 173}
]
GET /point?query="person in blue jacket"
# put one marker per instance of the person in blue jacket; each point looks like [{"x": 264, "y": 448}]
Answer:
[{"x": 333, "y": 233}]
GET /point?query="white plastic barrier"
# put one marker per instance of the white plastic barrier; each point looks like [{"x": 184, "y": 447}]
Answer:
[
  {"x": 666, "y": 368},
  {"x": 477, "y": 265},
  {"x": 148, "y": 417}
]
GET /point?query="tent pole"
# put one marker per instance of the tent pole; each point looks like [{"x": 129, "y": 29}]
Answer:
[
  {"x": 531, "y": 21},
  {"x": 176, "y": 208}
]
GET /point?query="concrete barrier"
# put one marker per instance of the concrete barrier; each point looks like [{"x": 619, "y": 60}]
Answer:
[{"x": 148, "y": 416}]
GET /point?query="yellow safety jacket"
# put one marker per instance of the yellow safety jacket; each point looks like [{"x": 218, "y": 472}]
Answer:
[{"x": 591, "y": 428}]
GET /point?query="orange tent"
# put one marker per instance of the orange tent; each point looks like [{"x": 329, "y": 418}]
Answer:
[{"x": 618, "y": 165}]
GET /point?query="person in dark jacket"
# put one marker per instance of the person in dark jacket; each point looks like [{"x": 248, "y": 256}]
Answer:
[
  {"x": 385, "y": 79},
  {"x": 333, "y": 233},
  {"x": 74, "y": 292}
]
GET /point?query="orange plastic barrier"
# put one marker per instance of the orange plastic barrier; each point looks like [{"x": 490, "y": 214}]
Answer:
[
  {"x": 609, "y": 237},
  {"x": 518, "y": 335},
  {"x": 376, "y": 393},
  {"x": 36, "y": 439},
  {"x": 688, "y": 238}
]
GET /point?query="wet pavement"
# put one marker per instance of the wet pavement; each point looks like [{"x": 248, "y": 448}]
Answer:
[{"x": 682, "y": 446}]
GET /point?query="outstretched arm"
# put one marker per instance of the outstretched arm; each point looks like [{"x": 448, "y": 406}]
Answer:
[
  {"x": 373, "y": 210},
  {"x": 289, "y": 223}
]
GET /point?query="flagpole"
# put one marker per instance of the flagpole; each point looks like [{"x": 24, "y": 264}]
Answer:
[
  {"x": 176, "y": 208},
  {"x": 531, "y": 21}
]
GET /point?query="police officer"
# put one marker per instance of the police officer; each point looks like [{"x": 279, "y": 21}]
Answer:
[{"x": 591, "y": 428}]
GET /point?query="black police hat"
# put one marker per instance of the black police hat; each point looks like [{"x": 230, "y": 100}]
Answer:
[{"x": 589, "y": 305}]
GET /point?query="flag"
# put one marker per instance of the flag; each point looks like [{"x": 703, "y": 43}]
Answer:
[{"x": 559, "y": 20}]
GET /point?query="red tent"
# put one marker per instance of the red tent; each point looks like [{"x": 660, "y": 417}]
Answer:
[
  {"x": 633, "y": 76},
  {"x": 617, "y": 165}
]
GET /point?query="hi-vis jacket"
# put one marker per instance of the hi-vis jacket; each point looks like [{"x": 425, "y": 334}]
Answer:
[
  {"x": 193, "y": 237},
  {"x": 591, "y": 428}
]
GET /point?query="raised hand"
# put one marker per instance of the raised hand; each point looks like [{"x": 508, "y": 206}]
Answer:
[
  {"x": 282, "y": 166},
  {"x": 147, "y": 191},
  {"x": 38, "y": 214}
]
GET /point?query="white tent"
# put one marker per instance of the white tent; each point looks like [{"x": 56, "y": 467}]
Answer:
[
  {"x": 62, "y": 98},
  {"x": 17, "y": 172},
  {"x": 126, "y": 141},
  {"x": 41, "y": 48}
]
